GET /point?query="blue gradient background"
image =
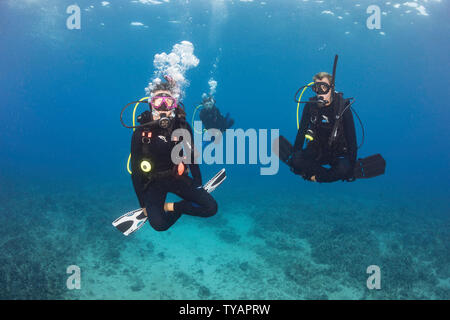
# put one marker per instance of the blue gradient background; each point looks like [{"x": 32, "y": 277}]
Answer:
[{"x": 63, "y": 151}]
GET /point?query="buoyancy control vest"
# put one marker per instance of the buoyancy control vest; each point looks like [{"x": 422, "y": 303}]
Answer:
[{"x": 325, "y": 131}]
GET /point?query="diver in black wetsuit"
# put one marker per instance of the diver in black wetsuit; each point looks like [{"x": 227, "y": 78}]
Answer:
[
  {"x": 153, "y": 172},
  {"x": 327, "y": 124},
  {"x": 212, "y": 118},
  {"x": 317, "y": 125}
]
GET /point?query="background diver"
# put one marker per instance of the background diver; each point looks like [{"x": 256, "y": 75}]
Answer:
[
  {"x": 211, "y": 117},
  {"x": 327, "y": 125},
  {"x": 154, "y": 174}
]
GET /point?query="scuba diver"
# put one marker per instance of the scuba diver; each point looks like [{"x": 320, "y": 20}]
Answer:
[
  {"x": 154, "y": 174},
  {"x": 211, "y": 117},
  {"x": 327, "y": 125}
]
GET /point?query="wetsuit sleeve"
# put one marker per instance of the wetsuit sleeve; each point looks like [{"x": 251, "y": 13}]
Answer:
[
  {"x": 194, "y": 167},
  {"x": 136, "y": 177},
  {"x": 300, "y": 139},
  {"x": 350, "y": 135}
]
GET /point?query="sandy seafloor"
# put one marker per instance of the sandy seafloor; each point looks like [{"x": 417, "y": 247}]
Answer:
[{"x": 314, "y": 242}]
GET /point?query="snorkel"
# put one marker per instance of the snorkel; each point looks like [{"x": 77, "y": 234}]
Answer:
[
  {"x": 320, "y": 99},
  {"x": 333, "y": 81}
]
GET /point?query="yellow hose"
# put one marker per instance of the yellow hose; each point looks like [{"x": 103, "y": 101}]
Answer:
[
  {"x": 134, "y": 124},
  {"x": 299, "y": 99},
  {"x": 128, "y": 164},
  {"x": 134, "y": 111},
  {"x": 193, "y": 118}
]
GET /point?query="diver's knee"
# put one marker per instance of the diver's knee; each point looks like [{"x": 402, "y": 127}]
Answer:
[
  {"x": 159, "y": 225},
  {"x": 296, "y": 160},
  {"x": 343, "y": 167},
  {"x": 299, "y": 163},
  {"x": 212, "y": 208}
]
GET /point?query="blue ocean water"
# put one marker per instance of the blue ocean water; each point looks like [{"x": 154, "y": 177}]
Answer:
[{"x": 63, "y": 151}]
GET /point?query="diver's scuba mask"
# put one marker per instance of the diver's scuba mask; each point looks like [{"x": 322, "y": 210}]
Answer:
[
  {"x": 321, "y": 88},
  {"x": 165, "y": 102}
]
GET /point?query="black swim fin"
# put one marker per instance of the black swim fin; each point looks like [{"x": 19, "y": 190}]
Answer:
[
  {"x": 369, "y": 167},
  {"x": 283, "y": 148}
]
